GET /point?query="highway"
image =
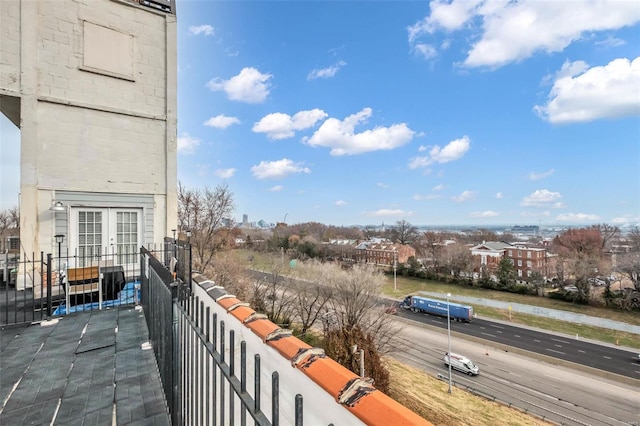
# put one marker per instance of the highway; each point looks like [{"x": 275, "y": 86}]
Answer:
[
  {"x": 561, "y": 379},
  {"x": 606, "y": 358},
  {"x": 554, "y": 393}
]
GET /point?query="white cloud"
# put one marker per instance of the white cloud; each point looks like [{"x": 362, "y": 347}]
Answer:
[
  {"x": 541, "y": 198},
  {"x": 250, "y": 86},
  {"x": 577, "y": 217},
  {"x": 276, "y": 188},
  {"x": 389, "y": 212},
  {"x": 341, "y": 203},
  {"x": 281, "y": 126},
  {"x": 225, "y": 173},
  {"x": 464, "y": 196},
  {"x": 611, "y": 41},
  {"x": 627, "y": 220},
  {"x": 207, "y": 30},
  {"x": 449, "y": 16},
  {"x": 538, "y": 176},
  {"x": 508, "y": 31},
  {"x": 382, "y": 185},
  {"x": 487, "y": 213},
  {"x": 221, "y": 121},
  {"x": 422, "y": 148},
  {"x": 438, "y": 187},
  {"x": 454, "y": 150},
  {"x": 580, "y": 94},
  {"x": 277, "y": 169},
  {"x": 499, "y": 195},
  {"x": 326, "y": 72},
  {"x": 341, "y": 137},
  {"x": 187, "y": 144},
  {"x": 424, "y": 50}
]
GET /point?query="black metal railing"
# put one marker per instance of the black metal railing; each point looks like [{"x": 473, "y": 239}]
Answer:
[
  {"x": 24, "y": 284},
  {"x": 202, "y": 383},
  {"x": 38, "y": 287}
]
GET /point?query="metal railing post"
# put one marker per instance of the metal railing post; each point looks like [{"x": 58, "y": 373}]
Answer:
[{"x": 49, "y": 288}]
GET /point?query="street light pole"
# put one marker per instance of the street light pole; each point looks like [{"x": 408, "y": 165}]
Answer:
[
  {"x": 449, "y": 335},
  {"x": 59, "y": 239},
  {"x": 395, "y": 286}
]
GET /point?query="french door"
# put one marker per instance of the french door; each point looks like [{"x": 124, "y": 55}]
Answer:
[{"x": 105, "y": 234}]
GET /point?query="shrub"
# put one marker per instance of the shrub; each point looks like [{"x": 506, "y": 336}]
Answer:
[{"x": 338, "y": 345}]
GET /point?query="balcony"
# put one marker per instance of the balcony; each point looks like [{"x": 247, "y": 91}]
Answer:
[{"x": 183, "y": 352}]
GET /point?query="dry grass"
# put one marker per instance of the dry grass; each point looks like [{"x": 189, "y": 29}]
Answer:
[{"x": 428, "y": 397}]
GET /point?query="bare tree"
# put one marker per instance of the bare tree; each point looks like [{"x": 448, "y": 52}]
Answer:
[
  {"x": 458, "y": 259},
  {"x": 9, "y": 223},
  {"x": 271, "y": 295},
  {"x": 355, "y": 295},
  {"x": 310, "y": 294},
  {"x": 608, "y": 233},
  {"x": 205, "y": 212},
  {"x": 431, "y": 246},
  {"x": 404, "y": 233},
  {"x": 628, "y": 263},
  {"x": 227, "y": 271},
  {"x": 580, "y": 252},
  {"x": 9, "y": 219}
]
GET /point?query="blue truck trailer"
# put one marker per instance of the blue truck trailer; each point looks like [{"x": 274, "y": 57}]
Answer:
[{"x": 457, "y": 312}]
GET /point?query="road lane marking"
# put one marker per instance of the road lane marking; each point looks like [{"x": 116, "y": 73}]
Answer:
[
  {"x": 558, "y": 352},
  {"x": 561, "y": 341},
  {"x": 487, "y": 334},
  {"x": 606, "y": 357},
  {"x": 536, "y": 340},
  {"x": 517, "y": 335},
  {"x": 581, "y": 351}
]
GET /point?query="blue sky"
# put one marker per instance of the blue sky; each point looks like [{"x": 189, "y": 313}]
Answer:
[{"x": 364, "y": 112}]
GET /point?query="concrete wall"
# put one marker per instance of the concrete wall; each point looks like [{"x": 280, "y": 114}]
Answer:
[{"x": 92, "y": 85}]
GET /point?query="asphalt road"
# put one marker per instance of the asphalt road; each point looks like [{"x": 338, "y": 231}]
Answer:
[
  {"x": 606, "y": 358},
  {"x": 561, "y": 394}
]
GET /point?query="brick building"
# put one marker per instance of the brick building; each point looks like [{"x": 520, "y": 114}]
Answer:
[
  {"x": 525, "y": 260},
  {"x": 382, "y": 252}
]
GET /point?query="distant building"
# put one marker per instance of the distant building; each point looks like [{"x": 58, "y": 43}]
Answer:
[
  {"x": 525, "y": 260},
  {"x": 382, "y": 252}
]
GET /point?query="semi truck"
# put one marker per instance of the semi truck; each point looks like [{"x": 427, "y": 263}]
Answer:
[{"x": 456, "y": 311}]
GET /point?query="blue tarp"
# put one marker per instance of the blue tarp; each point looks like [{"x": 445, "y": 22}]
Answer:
[{"x": 125, "y": 297}]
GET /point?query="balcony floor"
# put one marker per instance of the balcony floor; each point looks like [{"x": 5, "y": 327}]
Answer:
[{"x": 85, "y": 368}]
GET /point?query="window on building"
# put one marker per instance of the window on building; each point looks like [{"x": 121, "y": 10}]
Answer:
[
  {"x": 529, "y": 274},
  {"x": 519, "y": 262},
  {"x": 127, "y": 236},
  {"x": 529, "y": 264},
  {"x": 89, "y": 236},
  {"x": 519, "y": 253},
  {"x": 510, "y": 253},
  {"x": 519, "y": 272},
  {"x": 529, "y": 254}
]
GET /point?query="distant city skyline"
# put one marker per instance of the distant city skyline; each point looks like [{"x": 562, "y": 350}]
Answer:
[{"x": 350, "y": 113}]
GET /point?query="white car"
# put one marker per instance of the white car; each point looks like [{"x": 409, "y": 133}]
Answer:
[{"x": 461, "y": 363}]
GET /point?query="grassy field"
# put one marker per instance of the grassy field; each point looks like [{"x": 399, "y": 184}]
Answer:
[{"x": 428, "y": 397}]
